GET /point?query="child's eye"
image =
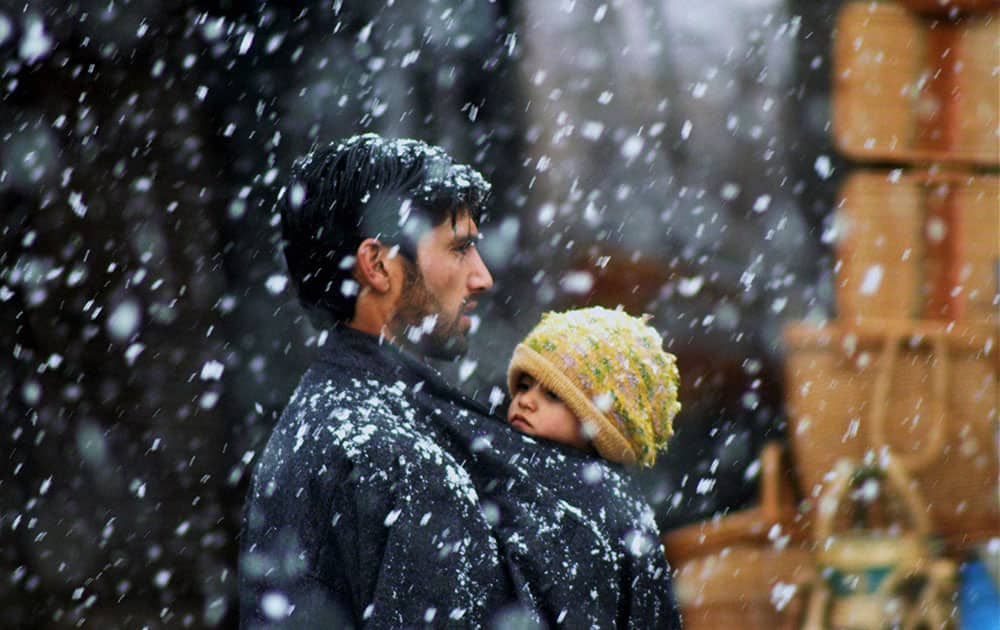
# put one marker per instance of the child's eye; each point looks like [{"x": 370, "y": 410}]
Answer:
[
  {"x": 523, "y": 384},
  {"x": 552, "y": 396}
]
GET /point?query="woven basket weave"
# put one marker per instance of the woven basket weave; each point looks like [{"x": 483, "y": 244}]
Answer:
[
  {"x": 876, "y": 577},
  {"x": 950, "y": 7},
  {"x": 925, "y": 391},
  {"x": 908, "y": 88},
  {"x": 775, "y": 515},
  {"x": 730, "y": 571},
  {"x": 744, "y": 587},
  {"x": 918, "y": 245}
]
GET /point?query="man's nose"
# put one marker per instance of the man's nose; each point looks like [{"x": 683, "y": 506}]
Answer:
[{"x": 480, "y": 278}]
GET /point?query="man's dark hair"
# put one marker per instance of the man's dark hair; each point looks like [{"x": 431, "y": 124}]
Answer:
[{"x": 366, "y": 187}]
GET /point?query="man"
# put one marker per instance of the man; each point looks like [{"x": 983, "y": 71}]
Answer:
[{"x": 385, "y": 497}]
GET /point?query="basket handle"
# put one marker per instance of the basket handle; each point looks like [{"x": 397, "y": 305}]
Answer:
[
  {"x": 830, "y": 499},
  {"x": 895, "y": 476},
  {"x": 914, "y": 460},
  {"x": 818, "y": 608},
  {"x": 771, "y": 494}
]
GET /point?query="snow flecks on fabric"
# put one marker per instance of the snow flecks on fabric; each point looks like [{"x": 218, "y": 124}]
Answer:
[
  {"x": 300, "y": 435},
  {"x": 462, "y": 499}
]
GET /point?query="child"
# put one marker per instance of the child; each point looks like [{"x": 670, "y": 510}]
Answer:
[{"x": 595, "y": 377}]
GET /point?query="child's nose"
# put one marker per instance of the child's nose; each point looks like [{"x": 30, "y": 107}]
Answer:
[{"x": 526, "y": 400}]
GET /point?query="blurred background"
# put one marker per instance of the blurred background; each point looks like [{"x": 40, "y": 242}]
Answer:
[{"x": 672, "y": 157}]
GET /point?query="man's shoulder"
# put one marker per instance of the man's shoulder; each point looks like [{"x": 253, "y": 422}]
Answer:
[
  {"x": 324, "y": 382},
  {"x": 347, "y": 406},
  {"x": 363, "y": 419},
  {"x": 369, "y": 428}
]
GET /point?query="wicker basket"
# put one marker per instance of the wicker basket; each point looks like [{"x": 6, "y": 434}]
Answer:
[
  {"x": 877, "y": 578},
  {"x": 775, "y": 517},
  {"x": 744, "y": 587},
  {"x": 950, "y": 7},
  {"x": 919, "y": 245},
  {"x": 927, "y": 392},
  {"x": 747, "y": 569},
  {"x": 910, "y": 89}
]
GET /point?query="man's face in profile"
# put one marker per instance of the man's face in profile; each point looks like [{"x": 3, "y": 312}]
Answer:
[{"x": 434, "y": 306}]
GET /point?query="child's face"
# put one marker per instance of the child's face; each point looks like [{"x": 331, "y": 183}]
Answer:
[{"x": 537, "y": 411}]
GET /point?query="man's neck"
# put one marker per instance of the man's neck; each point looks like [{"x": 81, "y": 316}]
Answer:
[
  {"x": 422, "y": 367},
  {"x": 368, "y": 319},
  {"x": 384, "y": 334}
]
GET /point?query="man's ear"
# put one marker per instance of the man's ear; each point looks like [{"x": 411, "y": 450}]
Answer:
[{"x": 369, "y": 266}]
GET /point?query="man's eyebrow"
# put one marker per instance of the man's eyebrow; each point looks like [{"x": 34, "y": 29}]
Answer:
[{"x": 466, "y": 239}]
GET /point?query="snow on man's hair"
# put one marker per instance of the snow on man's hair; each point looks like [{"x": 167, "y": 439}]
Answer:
[{"x": 366, "y": 187}]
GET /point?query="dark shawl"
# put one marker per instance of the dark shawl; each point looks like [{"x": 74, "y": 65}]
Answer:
[{"x": 387, "y": 498}]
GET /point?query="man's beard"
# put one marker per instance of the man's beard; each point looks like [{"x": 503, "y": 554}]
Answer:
[{"x": 445, "y": 340}]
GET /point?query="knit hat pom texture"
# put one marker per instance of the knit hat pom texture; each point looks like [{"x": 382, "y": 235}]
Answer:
[{"x": 611, "y": 370}]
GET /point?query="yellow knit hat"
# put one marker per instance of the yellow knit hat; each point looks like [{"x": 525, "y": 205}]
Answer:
[{"x": 611, "y": 370}]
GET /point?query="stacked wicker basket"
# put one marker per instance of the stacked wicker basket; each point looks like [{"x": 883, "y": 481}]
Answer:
[
  {"x": 911, "y": 362},
  {"x": 909, "y": 368}
]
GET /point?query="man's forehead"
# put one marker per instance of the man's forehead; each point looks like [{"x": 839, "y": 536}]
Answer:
[
  {"x": 463, "y": 226},
  {"x": 418, "y": 227}
]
